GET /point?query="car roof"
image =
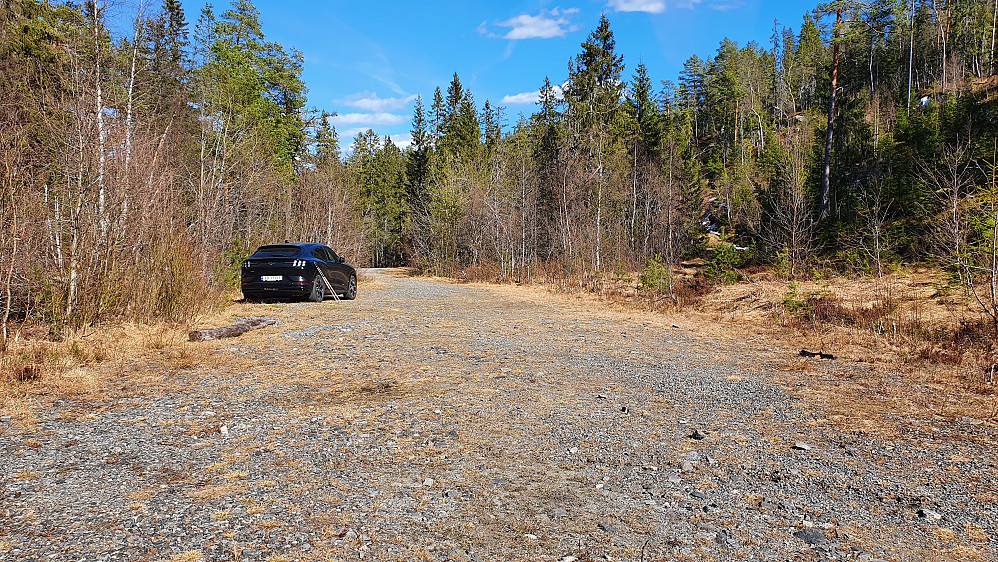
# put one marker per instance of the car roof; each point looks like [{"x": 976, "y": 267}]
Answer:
[{"x": 292, "y": 245}]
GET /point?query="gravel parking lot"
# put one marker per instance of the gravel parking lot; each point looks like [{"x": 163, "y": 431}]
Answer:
[{"x": 432, "y": 421}]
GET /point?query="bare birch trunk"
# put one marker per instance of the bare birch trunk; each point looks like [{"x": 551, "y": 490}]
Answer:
[
  {"x": 670, "y": 249},
  {"x": 8, "y": 303},
  {"x": 597, "y": 261},
  {"x": 129, "y": 122},
  {"x": 994, "y": 27},
  {"x": 634, "y": 190},
  {"x": 101, "y": 133}
]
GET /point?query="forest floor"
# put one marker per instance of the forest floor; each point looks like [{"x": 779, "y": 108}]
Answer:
[{"x": 434, "y": 421}]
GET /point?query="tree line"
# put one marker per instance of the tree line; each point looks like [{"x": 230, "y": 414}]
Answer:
[
  {"x": 863, "y": 139},
  {"x": 138, "y": 171}
]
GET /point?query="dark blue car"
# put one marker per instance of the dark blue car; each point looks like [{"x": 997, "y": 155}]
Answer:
[{"x": 297, "y": 271}]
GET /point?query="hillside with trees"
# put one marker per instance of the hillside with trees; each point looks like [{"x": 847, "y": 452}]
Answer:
[{"x": 138, "y": 171}]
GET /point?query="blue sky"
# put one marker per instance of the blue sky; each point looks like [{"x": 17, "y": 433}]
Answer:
[{"x": 368, "y": 60}]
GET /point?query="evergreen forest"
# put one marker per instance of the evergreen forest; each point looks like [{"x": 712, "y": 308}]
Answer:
[{"x": 137, "y": 172}]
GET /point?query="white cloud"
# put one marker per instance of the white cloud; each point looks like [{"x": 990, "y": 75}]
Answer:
[
  {"x": 545, "y": 25},
  {"x": 368, "y": 120},
  {"x": 650, "y": 6},
  {"x": 726, "y": 6},
  {"x": 521, "y": 99},
  {"x": 349, "y": 134},
  {"x": 688, "y": 4},
  {"x": 531, "y": 97},
  {"x": 402, "y": 140},
  {"x": 369, "y": 101}
]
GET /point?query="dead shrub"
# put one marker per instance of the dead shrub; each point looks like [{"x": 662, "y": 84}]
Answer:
[
  {"x": 27, "y": 363},
  {"x": 26, "y": 373},
  {"x": 942, "y": 356},
  {"x": 692, "y": 290},
  {"x": 482, "y": 272}
]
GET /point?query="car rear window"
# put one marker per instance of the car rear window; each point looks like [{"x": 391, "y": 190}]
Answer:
[{"x": 277, "y": 251}]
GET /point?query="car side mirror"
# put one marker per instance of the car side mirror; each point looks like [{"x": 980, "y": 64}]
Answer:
[{"x": 341, "y": 259}]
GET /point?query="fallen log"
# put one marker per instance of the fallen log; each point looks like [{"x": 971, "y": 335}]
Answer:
[
  {"x": 237, "y": 329},
  {"x": 818, "y": 354}
]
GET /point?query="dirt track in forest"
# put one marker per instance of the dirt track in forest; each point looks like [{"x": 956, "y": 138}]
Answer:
[{"x": 433, "y": 421}]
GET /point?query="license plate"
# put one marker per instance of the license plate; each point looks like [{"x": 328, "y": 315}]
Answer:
[{"x": 270, "y": 278}]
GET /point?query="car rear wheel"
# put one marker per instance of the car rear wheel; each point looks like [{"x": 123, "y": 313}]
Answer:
[
  {"x": 318, "y": 290},
  {"x": 351, "y": 292}
]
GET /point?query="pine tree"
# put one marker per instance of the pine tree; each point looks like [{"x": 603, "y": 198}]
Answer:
[
  {"x": 455, "y": 95},
  {"x": 259, "y": 81},
  {"x": 491, "y": 127},
  {"x": 692, "y": 86},
  {"x": 548, "y": 101},
  {"x": 461, "y": 134},
  {"x": 176, "y": 30},
  {"x": 643, "y": 111}
]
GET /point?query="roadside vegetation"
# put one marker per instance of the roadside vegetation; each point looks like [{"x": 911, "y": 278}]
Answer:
[{"x": 840, "y": 174}]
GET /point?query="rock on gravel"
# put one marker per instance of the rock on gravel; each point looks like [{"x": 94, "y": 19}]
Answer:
[
  {"x": 810, "y": 536},
  {"x": 801, "y": 446}
]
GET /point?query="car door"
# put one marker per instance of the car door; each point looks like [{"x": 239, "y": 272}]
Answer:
[
  {"x": 337, "y": 269},
  {"x": 322, "y": 264}
]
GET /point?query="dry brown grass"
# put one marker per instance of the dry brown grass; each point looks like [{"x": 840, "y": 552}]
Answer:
[
  {"x": 216, "y": 492},
  {"x": 141, "y": 495},
  {"x": 904, "y": 345},
  {"x": 188, "y": 556},
  {"x": 95, "y": 363}
]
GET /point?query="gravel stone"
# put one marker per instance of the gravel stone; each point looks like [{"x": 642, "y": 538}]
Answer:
[
  {"x": 608, "y": 528},
  {"x": 929, "y": 515},
  {"x": 810, "y": 536}
]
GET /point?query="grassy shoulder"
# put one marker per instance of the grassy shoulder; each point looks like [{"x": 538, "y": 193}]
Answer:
[
  {"x": 908, "y": 347},
  {"x": 97, "y": 362}
]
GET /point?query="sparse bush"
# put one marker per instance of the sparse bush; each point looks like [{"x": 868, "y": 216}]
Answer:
[
  {"x": 621, "y": 275},
  {"x": 813, "y": 305},
  {"x": 655, "y": 275},
  {"x": 851, "y": 261},
  {"x": 722, "y": 263}
]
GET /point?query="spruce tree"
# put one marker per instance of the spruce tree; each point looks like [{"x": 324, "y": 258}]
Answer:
[
  {"x": 418, "y": 161},
  {"x": 437, "y": 115}
]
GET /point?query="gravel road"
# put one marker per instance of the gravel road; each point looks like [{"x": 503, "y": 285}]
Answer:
[{"x": 431, "y": 421}]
